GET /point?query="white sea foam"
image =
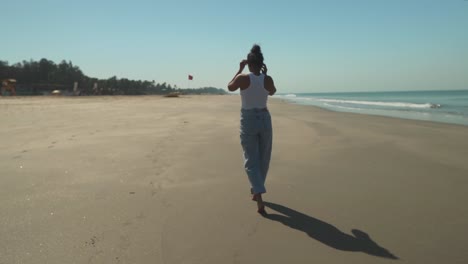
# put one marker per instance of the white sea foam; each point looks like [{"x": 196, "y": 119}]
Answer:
[
  {"x": 343, "y": 107},
  {"x": 386, "y": 104}
]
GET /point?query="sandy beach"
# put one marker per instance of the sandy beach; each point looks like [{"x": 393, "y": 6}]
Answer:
[{"x": 160, "y": 180}]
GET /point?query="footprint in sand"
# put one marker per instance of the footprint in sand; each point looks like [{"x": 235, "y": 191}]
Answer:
[
  {"x": 140, "y": 216},
  {"x": 124, "y": 242},
  {"x": 127, "y": 223},
  {"x": 155, "y": 189},
  {"x": 92, "y": 242}
]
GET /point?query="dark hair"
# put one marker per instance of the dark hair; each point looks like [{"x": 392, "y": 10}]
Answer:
[{"x": 255, "y": 57}]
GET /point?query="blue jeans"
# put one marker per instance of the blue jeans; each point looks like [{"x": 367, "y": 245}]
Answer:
[{"x": 256, "y": 136}]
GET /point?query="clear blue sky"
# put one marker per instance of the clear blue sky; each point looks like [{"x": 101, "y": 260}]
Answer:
[{"x": 309, "y": 46}]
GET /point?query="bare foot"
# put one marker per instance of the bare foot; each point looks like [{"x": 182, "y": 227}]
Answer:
[
  {"x": 260, "y": 204},
  {"x": 254, "y": 197}
]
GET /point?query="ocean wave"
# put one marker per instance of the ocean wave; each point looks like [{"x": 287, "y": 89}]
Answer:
[
  {"x": 343, "y": 107},
  {"x": 290, "y": 95},
  {"x": 386, "y": 104}
]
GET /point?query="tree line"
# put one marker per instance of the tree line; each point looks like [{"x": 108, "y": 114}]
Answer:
[{"x": 43, "y": 76}]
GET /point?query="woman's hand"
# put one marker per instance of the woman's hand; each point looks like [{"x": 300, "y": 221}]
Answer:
[
  {"x": 264, "y": 69},
  {"x": 242, "y": 65},
  {"x": 234, "y": 84}
]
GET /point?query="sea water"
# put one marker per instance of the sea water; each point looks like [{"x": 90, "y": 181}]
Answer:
[{"x": 437, "y": 106}]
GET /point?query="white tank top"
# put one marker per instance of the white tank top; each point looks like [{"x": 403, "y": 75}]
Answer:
[{"x": 255, "y": 96}]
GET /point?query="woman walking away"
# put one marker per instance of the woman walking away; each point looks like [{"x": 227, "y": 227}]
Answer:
[{"x": 255, "y": 125}]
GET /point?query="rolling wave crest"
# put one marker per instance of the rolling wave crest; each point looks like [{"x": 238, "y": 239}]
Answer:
[{"x": 385, "y": 104}]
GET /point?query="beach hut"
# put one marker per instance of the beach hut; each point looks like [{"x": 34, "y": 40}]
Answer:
[{"x": 8, "y": 85}]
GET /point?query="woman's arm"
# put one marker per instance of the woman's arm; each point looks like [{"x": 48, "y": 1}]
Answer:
[
  {"x": 235, "y": 83},
  {"x": 270, "y": 85}
]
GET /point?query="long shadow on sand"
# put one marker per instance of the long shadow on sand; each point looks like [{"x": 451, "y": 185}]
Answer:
[{"x": 326, "y": 233}]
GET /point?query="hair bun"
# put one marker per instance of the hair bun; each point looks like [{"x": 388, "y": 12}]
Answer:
[
  {"x": 256, "y": 49},
  {"x": 255, "y": 57}
]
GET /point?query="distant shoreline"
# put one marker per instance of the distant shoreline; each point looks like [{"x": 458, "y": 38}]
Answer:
[{"x": 45, "y": 77}]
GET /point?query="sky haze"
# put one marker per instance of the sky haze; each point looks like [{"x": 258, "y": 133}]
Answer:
[{"x": 309, "y": 46}]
